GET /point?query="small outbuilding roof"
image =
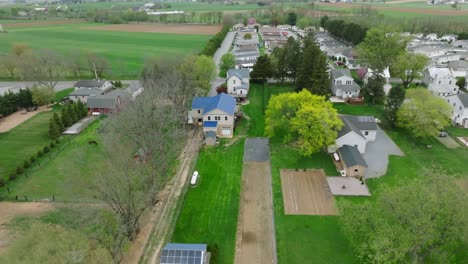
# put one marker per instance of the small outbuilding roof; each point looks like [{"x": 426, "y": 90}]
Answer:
[
  {"x": 210, "y": 123},
  {"x": 351, "y": 156},
  {"x": 90, "y": 83},
  {"x": 86, "y": 92}
]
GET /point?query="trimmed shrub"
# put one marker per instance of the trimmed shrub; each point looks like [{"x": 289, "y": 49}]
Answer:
[
  {"x": 13, "y": 176},
  {"x": 57, "y": 141},
  {"x": 32, "y": 159},
  {"x": 2, "y": 182},
  {"x": 46, "y": 149},
  {"x": 19, "y": 170},
  {"x": 26, "y": 164},
  {"x": 52, "y": 145},
  {"x": 40, "y": 153}
]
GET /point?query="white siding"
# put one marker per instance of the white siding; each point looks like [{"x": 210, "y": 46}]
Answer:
[
  {"x": 232, "y": 83},
  {"x": 371, "y": 134},
  {"x": 460, "y": 113},
  {"x": 352, "y": 139}
]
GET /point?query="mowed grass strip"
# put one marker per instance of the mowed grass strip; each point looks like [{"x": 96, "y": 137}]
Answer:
[
  {"x": 209, "y": 211},
  {"x": 67, "y": 174},
  {"x": 23, "y": 141},
  {"x": 126, "y": 51}
]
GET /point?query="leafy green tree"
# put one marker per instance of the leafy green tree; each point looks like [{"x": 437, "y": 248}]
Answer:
[
  {"x": 422, "y": 221},
  {"x": 247, "y": 36},
  {"x": 204, "y": 71},
  {"x": 379, "y": 50},
  {"x": 461, "y": 83},
  {"x": 308, "y": 120},
  {"x": 59, "y": 123},
  {"x": 395, "y": 99},
  {"x": 228, "y": 61},
  {"x": 292, "y": 18},
  {"x": 262, "y": 70},
  {"x": 373, "y": 91},
  {"x": 42, "y": 95},
  {"x": 409, "y": 66},
  {"x": 423, "y": 113}
]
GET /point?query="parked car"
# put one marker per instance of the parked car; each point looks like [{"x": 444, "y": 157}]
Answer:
[
  {"x": 194, "y": 178},
  {"x": 443, "y": 134}
]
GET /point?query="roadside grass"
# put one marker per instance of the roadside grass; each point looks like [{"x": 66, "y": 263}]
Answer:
[
  {"x": 23, "y": 141},
  {"x": 67, "y": 175},
  {"x": 118, "y": 47},
  {"x": 62, "y": 94}
]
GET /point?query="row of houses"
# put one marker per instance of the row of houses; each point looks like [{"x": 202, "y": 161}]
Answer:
[{"x": 246, "y": 48}]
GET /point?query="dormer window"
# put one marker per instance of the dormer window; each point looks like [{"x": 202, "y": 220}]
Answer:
[
  {"x": 209, "y": 118},
  {"x": 199, "y": 111},
  {"x": 234, "y": 81}
]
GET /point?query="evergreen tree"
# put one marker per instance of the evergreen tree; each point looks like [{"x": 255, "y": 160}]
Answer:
[
  {"x": 310, "y": 52},
  {"x": 373, "y": 91},
  {"x": 395, "y": 99},
  {"x": 281, "y": 67},
  {"x": 71, "y": 113},
  {"x": 82, "y": 109},
  {"x": 54, "y": 130},
  {"x": 292, "y": 50},
  {"x": 321, "y": 82},
  {"x": 262, "y": 69},
  {"x": 65, "y": 117},
  {"x": 76, "y": 110},
  {"x": 59, "y": 122}
]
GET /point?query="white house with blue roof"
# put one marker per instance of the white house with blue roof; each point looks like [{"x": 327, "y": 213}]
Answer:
[
  {"x": 238, "y": 82},
  {"x": 214, "y": 114}
]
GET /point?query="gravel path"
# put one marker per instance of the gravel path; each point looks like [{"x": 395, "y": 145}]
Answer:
[{"x": 225, "y": 46}]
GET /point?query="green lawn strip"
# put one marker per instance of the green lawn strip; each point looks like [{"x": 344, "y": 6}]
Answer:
[
  {"x": 62, "y": 94},
  {"x": 209, "y": 211},
  {"x": 23, "y": 141},
  {"x": 68, "y": 175}
]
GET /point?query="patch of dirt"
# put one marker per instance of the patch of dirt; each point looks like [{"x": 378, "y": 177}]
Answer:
[
  {"x": 42, "y": 23},
  {"x": 15, "y": 119},
  {"x": 10, "y": 210},
  {"x": 191, "y": 29},
  {"x": 448, "y": 142},
  {"x": 404, "y": 1},
  {"x": 255, "y": 242},
  {"x": 435, "y": 12},
  {"x": 307, "y": 193},
  {"x": 463, "y": 184}
]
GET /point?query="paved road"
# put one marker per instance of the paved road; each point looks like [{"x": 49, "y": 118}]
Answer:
[
  {"x": 62, "y": 85},
  {"x": 225, "y": 46}
]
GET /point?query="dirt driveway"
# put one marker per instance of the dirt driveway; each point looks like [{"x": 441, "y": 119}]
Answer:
[
  {"x": 255, "y": 242},
  {"x": 162, "y": 28}
]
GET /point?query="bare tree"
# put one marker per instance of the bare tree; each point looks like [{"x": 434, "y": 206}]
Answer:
[
  {"x": 45, "y": 67},
  {"x": 9, "y": 63},
  {"x": 97, "y": 64},
  {"x": 77, "y": 63}
]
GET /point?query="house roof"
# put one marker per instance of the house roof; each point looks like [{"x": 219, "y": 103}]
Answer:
[
  {"x": 210, "y": 134},
  {"x": 458, "y": 64},
  {"x": 464, "y": 99},
  {"x": 436, "y": 73},
  {"x": 241, "y": 73},
  {"x": 356, "y": 124},
  {"x": 86, "y": 92},
  {"x": 348, "y": 87},
  {"x": 210, "y": 123},
  {"x": 90, "y": 83},
  {"x": 174, "y": 253},
  {"x": 351, "y": 156},
  {"x": 222, "y": 101},
  {"x": 108, "y": 100},
  {"x": 337, "y": 73}
]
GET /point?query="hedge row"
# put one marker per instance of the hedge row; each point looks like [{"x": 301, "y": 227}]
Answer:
[{"x": 215, "y": 42}]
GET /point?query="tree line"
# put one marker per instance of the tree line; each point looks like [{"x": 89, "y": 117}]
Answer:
[
  {"x": 47, "y": 67},
  {"x": 69, "y": 115},
  {"x": 26, "y": 99},
  {"x": 215, "y": 42},
  {"x": 342, "y": 30}
]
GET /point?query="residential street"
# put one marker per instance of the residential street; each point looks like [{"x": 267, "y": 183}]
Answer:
[{"x": 225, "y": 46}]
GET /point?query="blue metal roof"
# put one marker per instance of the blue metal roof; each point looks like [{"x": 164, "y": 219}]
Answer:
[
  {"x": 222, "y": 101},
  {"x": 210, "y": 123},
  {"x": 179, "y": 246}
]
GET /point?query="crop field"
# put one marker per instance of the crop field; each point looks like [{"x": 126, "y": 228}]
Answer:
[{"x": 125, "y": 51}]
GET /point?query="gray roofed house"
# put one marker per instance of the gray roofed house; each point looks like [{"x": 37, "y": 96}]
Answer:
[
  {"x": 357, "y": 131},
  {"x": 83, "y": 94},
  {"x": 98, "y": 84},
  {"x": 108, "y": 103},
  {"x": 238, "y": 82},
  {"x": 342, "y": 85},
  {"x": 351, "y": 156}
]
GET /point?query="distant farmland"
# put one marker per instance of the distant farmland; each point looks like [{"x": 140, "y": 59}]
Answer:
[{"x": 126, "y": 51}]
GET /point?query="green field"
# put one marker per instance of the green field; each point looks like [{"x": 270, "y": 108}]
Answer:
[
  {"x": 23, "y": 141},
  {"x": 126, "y": 51},
  {"x": 67, "y": 174}
]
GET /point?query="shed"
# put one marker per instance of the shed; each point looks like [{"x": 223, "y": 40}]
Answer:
[
  {"x": 174, "y": 253},
  {"x": 353, "y": 162},
  {"x": 210, "y": 138}
]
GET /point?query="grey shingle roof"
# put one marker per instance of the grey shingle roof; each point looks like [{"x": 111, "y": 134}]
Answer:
[
  {"x": 241, "y": 73},
  {"x": 351, "y": 156},
  {"x": 101, "y": 102},
  {"x": 356, "y": 124},
  {"x": 464, "y": 99},
  {"x": 337, "y": 73},
  {"x": 86, "y": 92},
  {"x": 89, "y": 83},
  {"x": 348, "y": 87}
]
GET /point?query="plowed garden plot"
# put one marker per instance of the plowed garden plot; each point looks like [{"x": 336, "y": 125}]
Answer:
[
  {"x": 307, "y": 193},
  {"x": 162, "y": 28},
  {"x": 42, "y": 23}
]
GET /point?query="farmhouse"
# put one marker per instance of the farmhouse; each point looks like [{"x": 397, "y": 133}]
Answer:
[
  {"x": 357, "y": 131},
  {"x": 440, "y": 81},
  {"x": 101, "y": 85},
  {"x": 83, "y": 94},
  {"x": 214, "y": 114},
  {"x": 343, "y": 85},
  {"x": 174, "y": 253},
  {"x": 459, "y": 103},
  {"x": 353, "y": 163},
  {"x": 238, "y": 81}
]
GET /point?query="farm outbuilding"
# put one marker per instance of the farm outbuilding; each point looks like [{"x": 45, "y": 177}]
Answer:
[
  {"x": 174, "y": 253},
  {"x": 210, "y": 138},
  {"x": 353, "y": 163}
]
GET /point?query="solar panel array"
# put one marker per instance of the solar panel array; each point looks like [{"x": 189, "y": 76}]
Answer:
[{"x": 171, "y": 256}]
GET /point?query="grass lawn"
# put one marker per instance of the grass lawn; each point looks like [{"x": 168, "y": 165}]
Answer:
[
  {"x": 23, "y": 141},
  {"x": 62, "y": 94},
  {"x": 67, "y": 174},
  {"x": 126, "y": 51}
]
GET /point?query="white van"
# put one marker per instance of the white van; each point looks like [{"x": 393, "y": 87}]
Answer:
[{"x": 194, "y": 178}]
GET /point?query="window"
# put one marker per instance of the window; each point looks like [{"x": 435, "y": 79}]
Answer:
[
  {"x": 355, "y": 146},
  {"x": 225, "y": 118},
  {"x": 338, "y": 82},
  {"x": 356, "y": 170},
  {"x": 450, "y": 82},
  {"x": 366, "y": 133},
  {"x": 217, "y": 118},
  {"x": 440, "y": 82},
  {"x": 348, "y": 82},
  {"x": 460, "y": 108},
  {"x": 454, "y": 89},
  {"x": 234, "y": 81},
  {"x": 453, "y": 104},
  {"x": 199, "y": 111},
  {"x": 209, "y": 118}
]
